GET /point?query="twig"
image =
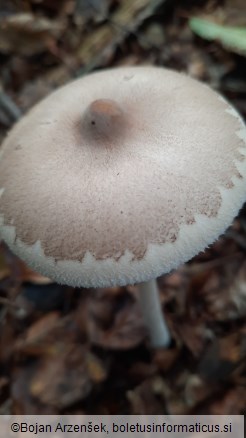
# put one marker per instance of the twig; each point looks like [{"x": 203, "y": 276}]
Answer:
[{"x": 9, "y": 107}]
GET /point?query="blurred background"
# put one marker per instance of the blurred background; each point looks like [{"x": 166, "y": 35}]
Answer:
[{"x": 65, "y": 350}]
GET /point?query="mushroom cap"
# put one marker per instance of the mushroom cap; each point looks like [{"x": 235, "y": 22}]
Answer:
[{"x": 121, "y": 176}]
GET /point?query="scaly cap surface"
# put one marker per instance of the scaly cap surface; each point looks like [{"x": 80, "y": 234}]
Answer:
[{"x": 121, "y": 176}]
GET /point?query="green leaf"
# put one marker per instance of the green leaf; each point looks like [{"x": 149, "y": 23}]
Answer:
[{"x": 231, "y": 38}]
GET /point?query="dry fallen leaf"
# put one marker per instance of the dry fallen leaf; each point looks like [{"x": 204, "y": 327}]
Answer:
[
  {"x": 123, "y": 327},
  {"x": 62, "y": 379},
  {"x": 23, "y": 402},
  {"x": 95, "y": 367},
  {"x": 27, "y": 34},
  {"x": 4, "y": 268},
  {"x": 126, "y": 19},
  {"x": 30, "y": 276},
  {"x": 232, "y": 402},
  {"x": 143, "y": 399}
]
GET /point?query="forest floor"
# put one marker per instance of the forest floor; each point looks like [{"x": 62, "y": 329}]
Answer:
[{"x": 65, "y": 350}]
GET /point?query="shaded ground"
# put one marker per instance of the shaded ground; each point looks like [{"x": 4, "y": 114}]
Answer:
[{"x": 70, "y": 350}]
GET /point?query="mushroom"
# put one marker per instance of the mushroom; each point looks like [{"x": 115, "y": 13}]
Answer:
[{"x": 121, "y": 176}]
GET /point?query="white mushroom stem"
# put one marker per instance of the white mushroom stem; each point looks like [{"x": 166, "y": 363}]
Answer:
[{"x": 152, "y": 313}]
